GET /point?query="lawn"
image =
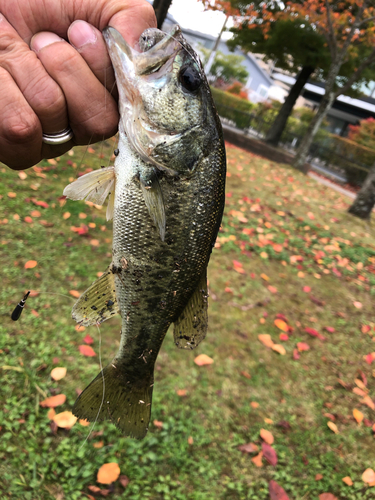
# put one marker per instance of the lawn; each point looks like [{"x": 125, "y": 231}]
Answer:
[{"x": 291, "y": 330}]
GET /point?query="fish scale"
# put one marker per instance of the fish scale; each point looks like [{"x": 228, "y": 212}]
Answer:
[{"x": 166, "y": 198}]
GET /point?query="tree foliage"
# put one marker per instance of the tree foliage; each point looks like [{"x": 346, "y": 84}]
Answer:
[
  {"x": 227, "y": 67},
  {"x": 364, "y": 133}
]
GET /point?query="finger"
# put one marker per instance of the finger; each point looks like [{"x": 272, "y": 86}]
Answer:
[
  {"x": 89, "y": 42},
  {"x": 40, "y": 91},
  {"x": 92, "y": 110},
  {"x": 20, "y": 129}
]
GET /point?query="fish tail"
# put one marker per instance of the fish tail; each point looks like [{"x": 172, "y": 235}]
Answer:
[{"x": 114, "y": 395}]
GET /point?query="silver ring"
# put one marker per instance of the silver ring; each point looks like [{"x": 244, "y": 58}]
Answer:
[{"x": 59, "y": 137}]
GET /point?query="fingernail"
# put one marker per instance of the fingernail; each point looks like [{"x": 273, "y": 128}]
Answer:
[
  {"x": 81, "y": 33},
  {"x": 43, "y": 39}
]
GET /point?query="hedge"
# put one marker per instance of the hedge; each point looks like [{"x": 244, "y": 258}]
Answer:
[
  {"x": 352, "y": 152},
  {"x": 233, "y": 108}
]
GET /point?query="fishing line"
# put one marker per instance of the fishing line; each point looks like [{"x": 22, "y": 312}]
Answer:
[{"x": 101, "y": 404}]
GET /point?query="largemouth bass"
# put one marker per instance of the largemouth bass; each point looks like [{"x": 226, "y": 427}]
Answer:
[{"x": 166, "y": 198}]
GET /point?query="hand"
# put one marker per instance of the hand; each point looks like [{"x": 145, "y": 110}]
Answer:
[{"x": 55, "y": 72}]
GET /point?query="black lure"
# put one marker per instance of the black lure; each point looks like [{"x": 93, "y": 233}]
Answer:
[{"x": 19, "y": 308}]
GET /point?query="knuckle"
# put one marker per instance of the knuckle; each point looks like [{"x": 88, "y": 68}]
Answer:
[{"x": 21, "y": 130}]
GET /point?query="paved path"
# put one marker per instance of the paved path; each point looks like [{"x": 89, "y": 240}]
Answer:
[{"x": 332, "y": 185}]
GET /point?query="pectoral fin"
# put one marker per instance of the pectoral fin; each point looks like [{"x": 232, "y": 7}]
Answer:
[
  {"x": 98, "y": 303},
  {"x": 153, "y": 197},
  {"x": 191, "y": 327},
  {"x": 95, "y": 187}
]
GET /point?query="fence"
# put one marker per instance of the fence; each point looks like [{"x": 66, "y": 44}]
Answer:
[{"x": 322, "y": 154}]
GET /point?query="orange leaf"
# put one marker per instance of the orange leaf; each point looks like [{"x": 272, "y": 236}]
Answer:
[
  {"x": 369, "y": 402},
  {"x": 358, "y": 415},
  {"x": 58, "y": 373},
  {"x": 279, "y": 348},
  {"x": 266, "y": 436},
  {"x": 35, "y": 213},
  {"x": 87, "y": 350},
  {"x": 65, "y": 419},
  {"x": 158, "y": 424},
  {"x": 108, "y": 473},
  {"x": 357, "y": 304},
  {"x": 360, "y": 384},
  {"x": 94, "y": 243},
  {"x": 281, "y": 325},
  {"x": 98, "y": 444},
  {"x": 12, "y": 195},
  {"x": 258, "y": 460},
  {"x": 254, "y": 404},
  {"x": 22, "y": 175},
  {"x": 66, "y": 215},
  {"x": 30, "y": 264},
  {"x": 203, "y": 360},
  {"x": 265, "y": 338},
  {"x": 302, "y": 346},
  {"x": 51, "y": 413},
  {"x": 53, "y": 401},
  {"x": 368, "y": 476},
  {"x": 84, "y": 422},
  {"x": 264, "y": 277},
  {"x": 327, "y": 496},
  {"x": 181, "y": 392},
  {"x": 359, "y": 391},
  {"x": 74, "y": 293},
  {"x": 272, "y": 289},
  {"x": 347, "y": 480}
]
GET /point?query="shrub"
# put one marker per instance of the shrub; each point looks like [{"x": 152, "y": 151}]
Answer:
[
  {"x": 364, "y": 133},
  {"x": 353, "y": 153},
  {"x": 233, "y": 108}
]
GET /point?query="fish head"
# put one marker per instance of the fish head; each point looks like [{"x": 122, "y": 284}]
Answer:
[{"x": 164, "y": 98}]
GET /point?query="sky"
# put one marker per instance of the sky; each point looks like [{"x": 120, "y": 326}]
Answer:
[{"x": 190, "y": 14}]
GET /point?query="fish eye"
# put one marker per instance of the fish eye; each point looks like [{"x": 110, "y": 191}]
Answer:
[{"x": 190, "y": 78}]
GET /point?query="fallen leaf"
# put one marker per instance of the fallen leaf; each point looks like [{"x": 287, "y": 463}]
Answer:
[
  {"x": 368, "y": 476},
  {"x": 281, "y": 325},
  {"x": 35, "y": 213},
  {"x": 365, "y": 328},
  {"x": 330, "y": 329},
  {"x": 124, "y": 481},
  {"x": 22, "y": 175},
  {"x": 98, "y": 444},
  {"x": 314, "y": 333},
  {"x": 369, "y": 402},
  {"x": 296, "y": 354},
  {"x": 357, "y": 304},
  {"x": 272, "y": 289},
  {"x": 264, "y": 277},
  {"x": 65, "y": 419},
  {"x": 74, "y": 293},
  {"x": 53, "y": 401},
  {"x": 30, "y": 264},
  {"x": 257, "y": 460},
  {"x": 306, "y": 289},
  {"x": 327, "y": 496},
  {"x": 284, "y": 337},
  {"x": 359, "y": 391},
  {"x": 108, "y": 473},
  {"x": 87, "y": 350},
  {"x": 158, "y": 424},
  {"x": 190, "y": 440},
  {"x": 79, "y": 328},
  {"x": 254, "y": 404},
  {"x": 265, "y": 338},
  {"x": 302, "y": 346},
  {"x": 266, "y": 436},
  {"x": 333, "y": 427},
  {"x": 58, "y": 373},
  {"x": 360, "y": 384},
  {"x": 66, "y": 215},
  {"x": 237, "y": 266},
  {"x": 94, "y": 243},
  {"x": 347, "y": 480},
  {"x": 88, "y": 339},
  {"x": 84, "y": 422},
  {"x": 358, "y": 415},
  {"x": 279, "y": 348},
  {"x": 51, "y": 413},
  {"x": 248, "y": 448},
  {"x": 203, "y": 360},
  {"x": 276, "y": 491},
  {"x": 269, "y": 454},
  {"x": 94, "y": 489},
  {"x": 181, "y": 392},
  {"x": 12, "y": 195},
  {"x": 318, "y": 477}
]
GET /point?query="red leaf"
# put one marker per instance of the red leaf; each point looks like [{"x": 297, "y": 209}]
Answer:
[
  {"x": 269, "y": 454},
  {"x": 86, "y": 350},
  {"x": 40, "y": 203},
  {"x": 330, "y": 329},
  {"x": 281, "y": 316},
  {"x": 306, "y": 289},
  {"x": 296, "y": 354},
  {"x": 88, "y": 339},
  {"x": 314, "y": 333},
  {"x": 277, "y": 492}
]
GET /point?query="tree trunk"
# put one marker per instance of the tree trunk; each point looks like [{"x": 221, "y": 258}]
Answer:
[
  {"x": 365, "y": 200},
  {"x": 303, "y": 150},
  {"x": 161, "y": 9},
  {"x": 275, "y": 132}
]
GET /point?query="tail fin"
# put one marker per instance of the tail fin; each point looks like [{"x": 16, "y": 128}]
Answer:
[{"x": 112, "y": 396}]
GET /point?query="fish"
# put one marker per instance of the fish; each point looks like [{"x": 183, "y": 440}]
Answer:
[{"x": 166, "y": 197}]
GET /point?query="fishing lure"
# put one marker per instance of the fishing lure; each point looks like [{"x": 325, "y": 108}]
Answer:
[{"x": 19, "y": 308}]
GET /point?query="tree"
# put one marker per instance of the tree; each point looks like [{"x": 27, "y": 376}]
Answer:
[
  {"x": 364, "y": 134},
  {"x": 227, "y": 67},
  {"x": 305, "y": 36},
  {"x": 348, "y": 28}
]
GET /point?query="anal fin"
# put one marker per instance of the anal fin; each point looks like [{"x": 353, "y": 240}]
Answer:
[
  {"x": 98, "y": 303},
  {"x": 191, "y": 326},
  {"x": 95, "y": 187},
  {"x": 153, "y": 197}
]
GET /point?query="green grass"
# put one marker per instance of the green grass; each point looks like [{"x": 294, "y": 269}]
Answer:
[{"x": 281, "y": 229}]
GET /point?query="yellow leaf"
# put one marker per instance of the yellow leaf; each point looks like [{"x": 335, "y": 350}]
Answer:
[
  {"x": 358, "y": 415},
  {"x": 279, "y": 348},
  {"x": 203, "y": 360},
  {"x": 264, "y": 277},
  {"x": 108, "y": 473},
  {"x": 58, "y": 373},
  {"x": 264, "y": 255},
  {"x": 266, "y": 436},
  {"x": 333, "y": 427},
  {"x": 265, "y": 338}
]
